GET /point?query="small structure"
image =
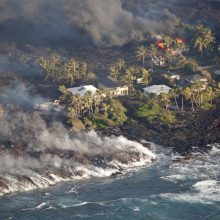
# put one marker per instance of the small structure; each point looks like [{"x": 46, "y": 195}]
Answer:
[
  {"x": 115, "y": 87},
  {"x": 173, "y": 76},
  {"x": 217, "y": 74},
  {"x": 119, "y": 90},
  {"x": 156, "y": 89},
  {"x": 82, "y": 90},
  {"x": 49, "y": 107},
  {"x": 139, "y": 81},
  {"x": 187, "y": 81},
  {"x": 158, "y": 61},
  {"x": 195, "y": 78}
]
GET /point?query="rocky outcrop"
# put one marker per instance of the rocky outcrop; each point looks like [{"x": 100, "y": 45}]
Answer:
[{"x": 194, "y": 132}]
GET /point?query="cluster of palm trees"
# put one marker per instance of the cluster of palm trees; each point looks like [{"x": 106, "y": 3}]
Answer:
[
  {"x": 169, "y": 51},
  {"x": 199, "y": 96},
  {"x": 56, "y": 69},
  {"x": 90, "y": 105},
  {"x": 202, "y": 37},
  {"x": 129, "y": 75}
]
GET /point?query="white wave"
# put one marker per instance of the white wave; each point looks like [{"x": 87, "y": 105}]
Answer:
[
  {"x": 206, "y": 192},
  {"x": 174, "y": 178},
  {"x": 136, "y": 209},
  {"x": 208, "y": 186},
  {"x": 42, "y": 205}
]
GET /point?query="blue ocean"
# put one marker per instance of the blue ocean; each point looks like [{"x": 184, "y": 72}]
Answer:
[{"x": 171, "y": 188}]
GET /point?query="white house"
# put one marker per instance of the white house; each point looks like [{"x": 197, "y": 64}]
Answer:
[
  {"x": 156, "y": 89},
  {"x": 82, "y": 90}
]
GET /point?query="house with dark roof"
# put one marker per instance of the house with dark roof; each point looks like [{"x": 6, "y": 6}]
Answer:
[
  {"x": 188, "y": 80},
  {"x": 115, "y": 87}
]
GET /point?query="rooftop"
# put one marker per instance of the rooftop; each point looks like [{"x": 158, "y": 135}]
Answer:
[
  {"x": 195, "y": 78},
  {"x": 157, "y": 89},
  {"x": 82, "y": 90}
]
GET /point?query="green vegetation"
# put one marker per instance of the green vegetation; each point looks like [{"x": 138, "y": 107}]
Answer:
[
  {"x": 201, "y": 37},
  {"x": 165, "y": 55},
  {"x": 129, "y": 74},
  {"x": 58, "y": 70},
  {"x": 153, "y": 111},
  {"x": 95, "y": 111}
]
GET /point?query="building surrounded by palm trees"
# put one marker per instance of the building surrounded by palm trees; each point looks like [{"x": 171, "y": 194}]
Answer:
[
  {"x": 115, "y": 87},
  {"x": 189, "y": 80},
  {"x": 82, "y": 90},
  {"x": 156, "y": 89}
]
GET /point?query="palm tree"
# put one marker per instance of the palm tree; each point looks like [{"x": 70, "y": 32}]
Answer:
[
  {"x": 120, "y": 64},
  {"x": 51, "y": 67},
  {"x": 203, "y": 38},
  {"x": 165, "y": 99},
  {"x": 168, "y": 41},
  {"x": 91, "y": 76},
  {"x": 97, "y": 99},
  {"x": 179, "y": 46},
  {"x": 188, "y": 94},
  {"x": 75, "y": 106},
  {"x": 72, "y": 70},
  {"x": 64, "y": 93},
  {"x": 181, "y": 91},
  {"x": 88, "y": 102},
  {"x": 104, "y": 108},
  {"x": 152, "y": 51},
  {"x": 128, "y": 78},
  {"x": 210, "y": 93},
  {"x": 145, "y": 76},
  {"x": 141, "y": 54},
  {"x": 175, "y": 93},
  {"x": 114, "y": 73},
  {"x": 83, "y": 70},
  {"x": 199, "y": 44}
]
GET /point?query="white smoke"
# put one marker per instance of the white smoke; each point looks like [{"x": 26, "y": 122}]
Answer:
[{"x": 44, "y": 154}]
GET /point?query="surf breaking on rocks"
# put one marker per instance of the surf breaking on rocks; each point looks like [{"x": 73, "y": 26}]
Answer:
[{"x": 45, "y": 155}]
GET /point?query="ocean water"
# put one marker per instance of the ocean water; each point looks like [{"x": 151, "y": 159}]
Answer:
[{"x": 169, "y": 189}]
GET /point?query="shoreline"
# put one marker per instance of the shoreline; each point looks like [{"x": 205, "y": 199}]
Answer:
[
  {"x": 48, "y": 168},
  {"x": 184, "y": 138}
]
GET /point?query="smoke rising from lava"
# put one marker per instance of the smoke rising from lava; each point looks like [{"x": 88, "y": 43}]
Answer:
[{"x": 106, "y": 22}]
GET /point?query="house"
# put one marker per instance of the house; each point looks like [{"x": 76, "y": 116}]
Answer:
[
  {"x": 217, "y": 74},
  {"x": 156, "y": 89},
  {"x": 188, "y": 80},
  {"x": 49, "y": 106},
  {"x": 115, "y": 87},
  {"x": 118, "y": 90},
  {"x": 195, "y": 78},
  {"x": 173, "y": 76},
  {"x": 82, "y": 90}
]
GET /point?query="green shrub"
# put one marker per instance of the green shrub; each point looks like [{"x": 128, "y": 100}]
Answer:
[{"x": 154, "y": 111}]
